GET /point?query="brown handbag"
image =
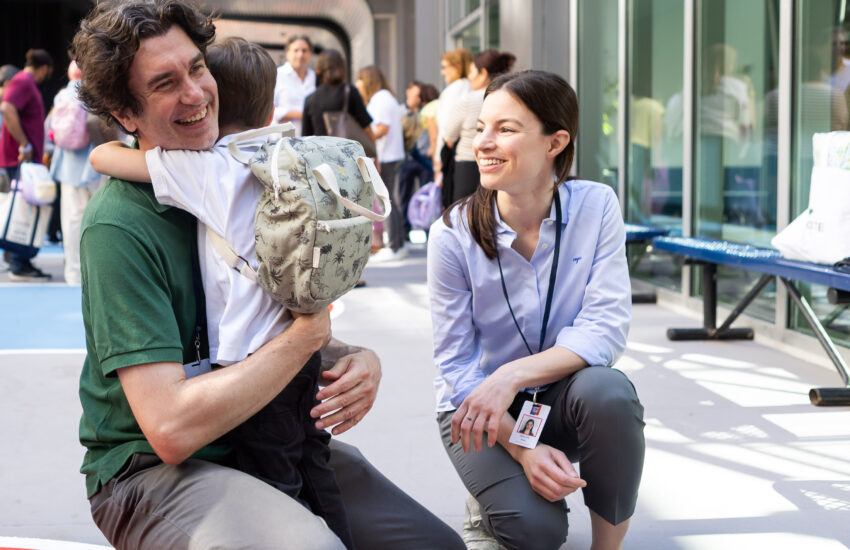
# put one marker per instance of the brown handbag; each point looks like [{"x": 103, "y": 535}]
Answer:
[{"x": 342, "y": 124}]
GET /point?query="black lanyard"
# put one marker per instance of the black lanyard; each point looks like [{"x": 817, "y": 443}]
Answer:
[{"x": 552, "y": 275}]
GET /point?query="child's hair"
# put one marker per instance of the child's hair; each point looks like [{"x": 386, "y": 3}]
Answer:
[{"x": 245, "y": 74}]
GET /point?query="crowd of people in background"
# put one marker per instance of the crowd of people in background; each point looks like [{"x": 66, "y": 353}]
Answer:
[{"x": 425, "y": 137}]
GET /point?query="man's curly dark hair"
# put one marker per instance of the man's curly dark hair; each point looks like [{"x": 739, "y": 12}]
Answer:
[{"x": 109, "y": 37}]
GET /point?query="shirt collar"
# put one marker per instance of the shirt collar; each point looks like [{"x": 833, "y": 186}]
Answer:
[
  {"x": 504, "y": 229},
  {"x": 287, "y": 69}
]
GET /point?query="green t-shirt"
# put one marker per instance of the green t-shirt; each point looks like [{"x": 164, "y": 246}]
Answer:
[{"x": 138, "y": 307}]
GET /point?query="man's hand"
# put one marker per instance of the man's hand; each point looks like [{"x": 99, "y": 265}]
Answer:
[
  {"x": 351, "y": 392},
  {"x": 549, "y": 471}
]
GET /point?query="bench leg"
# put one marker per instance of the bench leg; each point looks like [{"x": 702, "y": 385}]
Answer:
[
  {"x": 822, "y": 396},
  {"x": 638, "y": 249},
  {"x": 709, "y": 312},
  {"x": 644, "y": 298}
]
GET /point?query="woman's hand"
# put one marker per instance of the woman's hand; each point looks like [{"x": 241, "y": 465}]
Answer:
[
  {"x": 483, "y": 410},
  {"x": 549, "y": 471}
]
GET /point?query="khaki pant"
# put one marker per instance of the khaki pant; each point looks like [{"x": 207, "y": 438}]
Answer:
[{"x": 203, "y": 506}]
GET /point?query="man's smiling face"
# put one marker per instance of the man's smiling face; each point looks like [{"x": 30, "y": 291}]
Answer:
[{"x": 177, "y": 95}]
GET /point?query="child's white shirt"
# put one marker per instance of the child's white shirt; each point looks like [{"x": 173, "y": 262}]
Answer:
[{"x": 222, "y": 193}]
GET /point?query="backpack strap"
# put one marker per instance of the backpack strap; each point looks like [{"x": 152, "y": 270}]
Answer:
[
  {"x": 327, "y": 180},
  {"x": 287, "y": 129},
  {"x": 345, "y": 101},
  {"x": 230, "y": 257}
]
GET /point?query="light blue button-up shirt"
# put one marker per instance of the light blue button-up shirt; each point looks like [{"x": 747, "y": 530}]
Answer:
[{"x": 474, "y": 333}]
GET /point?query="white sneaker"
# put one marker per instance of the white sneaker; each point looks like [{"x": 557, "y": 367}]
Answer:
[
  {"x": 389, "y": 255},
  {"x": 474, "y": 535}
]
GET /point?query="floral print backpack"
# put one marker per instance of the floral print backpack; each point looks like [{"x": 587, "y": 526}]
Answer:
[{"x": 313, "y": 223}]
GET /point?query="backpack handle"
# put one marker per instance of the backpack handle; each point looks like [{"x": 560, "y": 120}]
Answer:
[
  {"x": 327, "y": 180},
  {"x": 287, "y": 129}
]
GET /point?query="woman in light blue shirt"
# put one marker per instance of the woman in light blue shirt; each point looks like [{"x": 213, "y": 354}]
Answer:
[{"x": 530, "y": 302}]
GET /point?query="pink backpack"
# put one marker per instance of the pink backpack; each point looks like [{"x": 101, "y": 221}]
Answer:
[{"x": 68, "y": 121}]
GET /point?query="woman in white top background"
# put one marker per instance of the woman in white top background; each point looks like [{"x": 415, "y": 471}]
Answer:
[
  {"x": 461, "y": 123},
  {"x": 386, "y": 113},
  {"x": 295, "y": 81},
  {"x": 531, "y": 304},
  {"x": 454, "y": 66}
]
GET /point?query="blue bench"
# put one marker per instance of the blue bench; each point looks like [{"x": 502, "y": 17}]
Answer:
[
  {"x": 710, "y": 253},
  {"x": 641, "y": 234}
]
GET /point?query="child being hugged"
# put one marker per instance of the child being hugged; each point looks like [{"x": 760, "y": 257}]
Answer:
[{"x": 280, "y": 444}]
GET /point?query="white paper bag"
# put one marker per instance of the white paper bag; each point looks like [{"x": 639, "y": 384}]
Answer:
[{"x": 821, "y": 234}]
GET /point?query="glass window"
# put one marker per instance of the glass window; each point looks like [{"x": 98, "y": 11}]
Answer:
[
  {"x": 654, "y": 187},
  {"x": 470, "y": 38},
  {"x": 493, "y": 24},
  {"x": 736, "y": 133},
  {"x": 821, "y": 87},
  {"x": 467, "y": 19},
  {"x": 598, "y": 85},
  {"x": 455, "y": 10},
  {"x": 458, "y": 9}
]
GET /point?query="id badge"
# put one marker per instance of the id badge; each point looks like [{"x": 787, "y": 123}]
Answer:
[
  {"x": 529, "y": 425},
  {"x": 197, "y": 367}
]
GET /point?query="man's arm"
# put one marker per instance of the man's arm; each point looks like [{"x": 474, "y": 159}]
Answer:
[
  {"x": 179, "y": 416},
  {"x": 354, "y": 374},
  {"x": 336, "y": 350},
  {"x": 116, "y": 159},
  {"x": 12, "y": 121}
]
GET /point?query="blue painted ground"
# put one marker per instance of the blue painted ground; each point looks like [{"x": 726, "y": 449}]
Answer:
[{"x": 40, "y": 317}]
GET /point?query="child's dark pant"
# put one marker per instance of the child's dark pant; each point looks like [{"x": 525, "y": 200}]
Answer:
[{"x": 281, "y": 445}]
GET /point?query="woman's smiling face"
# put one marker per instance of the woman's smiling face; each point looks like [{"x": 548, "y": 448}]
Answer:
[{"x": 510, "y": 147}]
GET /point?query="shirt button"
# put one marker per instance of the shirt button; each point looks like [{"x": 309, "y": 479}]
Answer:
[
  {"x": 544, "y": 245},
  {"x": 549, "y": 222}
]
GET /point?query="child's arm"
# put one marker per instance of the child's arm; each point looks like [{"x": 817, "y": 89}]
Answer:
[{"x": 116, "y": 159}]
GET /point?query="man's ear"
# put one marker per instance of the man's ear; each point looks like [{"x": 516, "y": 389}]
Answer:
[
  {"x": 557, "y": 143},
  {"x": 126, "y": 119},
  {"x": 271, "y": 117}
]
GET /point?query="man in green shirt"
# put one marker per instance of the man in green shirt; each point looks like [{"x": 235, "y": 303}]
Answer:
[{"x": 157, "y": 473}]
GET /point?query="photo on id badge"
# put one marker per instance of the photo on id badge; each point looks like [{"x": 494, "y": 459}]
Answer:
[{"x": 529, "y": 426}]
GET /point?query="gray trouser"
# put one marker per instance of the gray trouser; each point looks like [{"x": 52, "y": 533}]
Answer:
[
  {"x": 596, "y": 420},
  {"x": 199, "y": 505}
]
